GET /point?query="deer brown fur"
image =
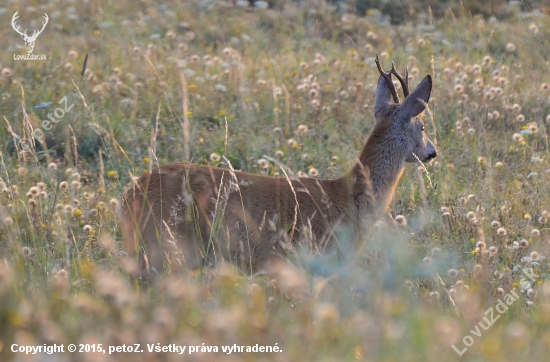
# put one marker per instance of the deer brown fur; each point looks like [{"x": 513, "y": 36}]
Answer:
[{"x": 181, "y": 214}]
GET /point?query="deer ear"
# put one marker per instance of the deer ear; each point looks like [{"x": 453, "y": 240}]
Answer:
[
  {"x": 383, "y": 96},
  {"x": 416, "y": 102}
]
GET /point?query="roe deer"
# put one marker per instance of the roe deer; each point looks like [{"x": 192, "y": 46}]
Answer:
[{"x": 182, "y": 214}]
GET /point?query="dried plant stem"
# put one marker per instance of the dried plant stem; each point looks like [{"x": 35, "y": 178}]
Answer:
[
  {"x": 153, "y": 143},
  {"x": 185, "y": 124}
]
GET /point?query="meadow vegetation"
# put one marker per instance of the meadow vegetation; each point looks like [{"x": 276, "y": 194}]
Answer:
[{"x": 259, "y": 88}]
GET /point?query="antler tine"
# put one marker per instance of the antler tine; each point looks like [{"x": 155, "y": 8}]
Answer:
[
  {"x": 387, "y": 77},
  {"x": 404, "y": 82}
]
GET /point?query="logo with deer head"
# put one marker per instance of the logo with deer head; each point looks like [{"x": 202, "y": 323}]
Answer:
[{"x": 29, "y": 40}]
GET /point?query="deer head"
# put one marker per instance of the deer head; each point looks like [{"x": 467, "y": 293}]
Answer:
[
  {"x": 406, "y": 128},
  {"x": 29, "y": 40}
]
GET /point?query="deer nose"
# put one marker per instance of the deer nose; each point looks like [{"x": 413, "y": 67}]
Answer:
[{"x": 432, "y": 155}]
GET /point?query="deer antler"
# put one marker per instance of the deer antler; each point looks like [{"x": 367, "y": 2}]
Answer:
[
  {"x": 387, "y": 77},
  {"x": 404, "y": 82},
  {"x": 14, "y": 24}
]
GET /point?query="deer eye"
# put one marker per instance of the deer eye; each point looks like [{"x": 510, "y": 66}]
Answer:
[{"x": 422, "y": 129}]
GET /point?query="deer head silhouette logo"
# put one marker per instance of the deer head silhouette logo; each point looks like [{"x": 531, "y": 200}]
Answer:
[{"x": 29, "y": 40}]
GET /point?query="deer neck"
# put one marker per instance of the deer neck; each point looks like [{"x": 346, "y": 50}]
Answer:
[{"x": 384, "y": 156}]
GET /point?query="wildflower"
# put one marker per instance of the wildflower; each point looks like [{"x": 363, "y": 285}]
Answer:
[
  {"x": 313, "y": 172},
  {"x": 459, "y": 88},
  {"x": 493, "y": 250},
  {"x": 78, "y": 212},
  {"x": 534, "y": 256},
  {"x": 220, "y": 87},
  {"x": 93, "y": 212},
  {"x": 68, "y": 209},
  {"x": 535, "y": 233},
  {"x": 34, "y": 191},
  {"x": 531, "y": 293},
  {"x": 495, "y": 224},
  {"x": 170, "y": 34},
  {"x": 279, "y": 153},
  {"x": 214, "y": 157},
  {"x": 227, "y": 51},
  {"x": 291, "y": 142},
  {"x": 27, "y": 251},
  {"x": 343, "y": 94},
  {"x": 533, "y": 28},
  {"x": 427, "y": 261},
  {"x": 480, "y": 245},
  {"x": 301, "y": 130},
  {"x": 52, "y": 166},
  {"x": 520, "y": 118},
  {"x": 401, "y": 220},
  {"x": 111, "y": 174},
  {"x": 499, "y": 165},
  {"x": 501, "y": 231},
  {"x": 263, "y": 163},
  {"x": 189, "y": 36},
  {"x": 471, "y": 215},
  {"x": 452, "y": 273},
  {"x": 517, "y": 137},
  {"x": 6, "y": 73},
  {"x": 533, "y": 127},
  {"x": 113, "y": 203},
  {"x": 523, "y": 243},
  {"x": 481, "y": 161},
  {"x": 75, "y": 184},
  {"x": 487, "y": 60},
  {"x": 87, "y": 228},
  {"x": 471, "y": 132},
  {"x": 313, "y": 93}
]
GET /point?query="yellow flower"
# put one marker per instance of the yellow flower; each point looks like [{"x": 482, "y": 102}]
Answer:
[
  {"x": 146, "y": 159},
  {"x": 222, "y": 112},
  {"x": 247, "y": 99},
  {"x": 78, "y": 212},
  {"x": 189, "y": 113},
  {"x": 192, "y": 86},
  {"x": 111, "y": 173},
  {"x": 515, "y": 285},
  {"x": 101, "y": 190},
  {"x": 474, "y": 252}
]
